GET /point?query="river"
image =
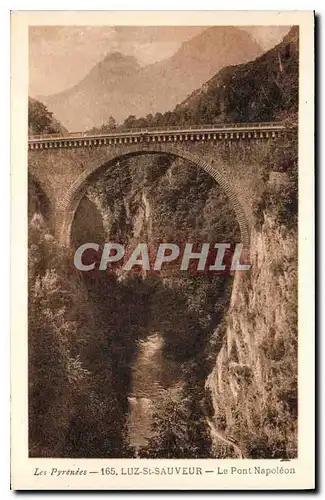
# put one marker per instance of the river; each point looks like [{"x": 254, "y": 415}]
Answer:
[{"x": 151, "y": 372}]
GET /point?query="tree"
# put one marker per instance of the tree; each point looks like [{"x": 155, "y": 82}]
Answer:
[
  {"x": 39, "y": 118},
  {"x": 111, "y": 123},
  {"x": 129, "y": 122},
  {"x": 56, "y": 333},
  {"x": 158, "y": 119},
  {"x": 149, "y": 120},
  {"x": 178, "y": 431}
]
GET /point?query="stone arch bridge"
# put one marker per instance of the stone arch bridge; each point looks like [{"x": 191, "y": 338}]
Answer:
[{"x": 63, "y": 166}]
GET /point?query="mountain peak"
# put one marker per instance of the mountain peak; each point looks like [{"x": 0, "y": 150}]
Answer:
[
  {"x": 117, "y": 57},
  {"x": 224, "y": 39},
  {"x": 114, "y": 67},
  {"x": 115, "y": 61}
]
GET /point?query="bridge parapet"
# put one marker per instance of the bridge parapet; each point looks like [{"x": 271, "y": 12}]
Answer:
[{"x": 228, "y": 132}]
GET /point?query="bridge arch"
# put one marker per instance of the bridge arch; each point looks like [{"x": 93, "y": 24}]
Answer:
[{"x": 68, "y": 205}]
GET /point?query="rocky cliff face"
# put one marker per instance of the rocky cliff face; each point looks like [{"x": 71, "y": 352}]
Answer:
[
  {"x": 254, "y": 381},
  {"x": 253, "y": 385}
]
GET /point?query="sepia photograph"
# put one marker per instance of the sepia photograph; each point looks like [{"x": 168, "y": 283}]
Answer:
[{"x": 163, "y": 190}]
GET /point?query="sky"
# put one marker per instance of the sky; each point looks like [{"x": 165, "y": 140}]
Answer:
[{"x": 60, "y": 56}]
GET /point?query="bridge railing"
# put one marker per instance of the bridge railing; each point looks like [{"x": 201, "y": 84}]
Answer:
[{"x": 150, "y": 130}]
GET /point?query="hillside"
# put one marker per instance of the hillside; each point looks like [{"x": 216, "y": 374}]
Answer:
[
  {"x": 265, "y": 89},
  {"x": 117, "y": 86}
]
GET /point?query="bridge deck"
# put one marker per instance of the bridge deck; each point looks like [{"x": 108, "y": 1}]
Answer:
[{"x": 163, "y": 131}]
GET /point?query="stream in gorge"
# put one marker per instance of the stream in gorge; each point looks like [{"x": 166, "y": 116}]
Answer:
[{"x": 151, "y": 373}]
